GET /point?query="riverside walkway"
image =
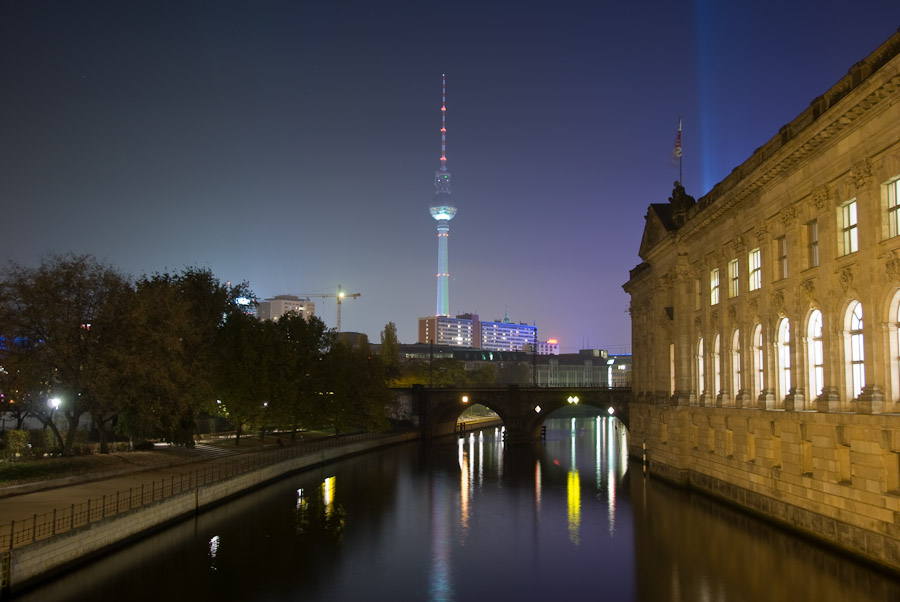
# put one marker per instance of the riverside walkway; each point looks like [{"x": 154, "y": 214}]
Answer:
[{"x": 41, "y": 510}]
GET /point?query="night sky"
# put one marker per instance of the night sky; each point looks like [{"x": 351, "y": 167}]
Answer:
[{"x": 294, "y": 144}]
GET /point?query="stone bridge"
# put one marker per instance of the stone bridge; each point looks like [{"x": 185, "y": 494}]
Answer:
[{"x": 522, "y": 409}]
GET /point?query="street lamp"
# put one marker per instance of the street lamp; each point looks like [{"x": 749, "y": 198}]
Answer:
[
  {"x": 54, "y": 402},
  {"x": 465, "y": 399},
  {"x": 573, "y": 399}
]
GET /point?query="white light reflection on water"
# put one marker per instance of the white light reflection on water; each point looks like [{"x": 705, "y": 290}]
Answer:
[
  {"x": 611, "y": 463},
  {"x": 213, "y": 550},
  {"x": 440, "y": 579},
  {"x": 480, "y": 459}
]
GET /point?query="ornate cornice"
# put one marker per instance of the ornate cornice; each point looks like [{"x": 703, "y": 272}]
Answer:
[{"x": 778, "y": 157}]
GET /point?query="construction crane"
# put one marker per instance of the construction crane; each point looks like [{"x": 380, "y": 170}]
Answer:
[{"x": 341, "y": 295}]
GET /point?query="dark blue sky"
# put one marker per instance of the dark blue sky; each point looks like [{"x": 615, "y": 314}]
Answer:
[{"x": 293, "y": 144}]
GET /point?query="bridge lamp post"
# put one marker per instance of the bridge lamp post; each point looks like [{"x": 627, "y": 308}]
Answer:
[
  {"x": 610, "y": 410},
  {"x": 573, "y": 399},
  {"x": 465, "y": 399},
  {"x": 537, "y": 409}
]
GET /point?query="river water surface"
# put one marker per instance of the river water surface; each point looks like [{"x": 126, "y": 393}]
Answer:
[{"x": 470, "y": 520}]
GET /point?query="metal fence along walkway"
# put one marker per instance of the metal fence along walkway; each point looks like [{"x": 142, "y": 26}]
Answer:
[{"x": 23, "y": 532}]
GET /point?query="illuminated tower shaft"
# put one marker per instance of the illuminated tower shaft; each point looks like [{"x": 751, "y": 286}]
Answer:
[
  {"x": 443, "y": 274},
  {"x": 443, "y": 210}
]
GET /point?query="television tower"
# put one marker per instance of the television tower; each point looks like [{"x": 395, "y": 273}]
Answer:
[{"x": 442, "y": 210}]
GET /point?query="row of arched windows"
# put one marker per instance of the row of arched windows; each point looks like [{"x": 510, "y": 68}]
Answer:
[{"x": 811, "y": 352}]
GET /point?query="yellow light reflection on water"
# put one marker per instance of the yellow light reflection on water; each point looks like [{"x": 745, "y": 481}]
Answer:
[
  {"x": 573, "y": 490},
  {"x": 464, "y": 470},
  {"x": 328, "y": 494}
]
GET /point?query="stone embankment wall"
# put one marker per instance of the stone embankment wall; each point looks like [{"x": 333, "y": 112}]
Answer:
[
  {"x": 36, "y": 561},
  {"x": 832, "y": 476}
]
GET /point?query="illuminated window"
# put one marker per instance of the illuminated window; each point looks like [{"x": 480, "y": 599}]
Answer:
[
  {"x": 714, "y": 286},
  {"x": 780, "y": 258},
  {"x": 896, "y": 368},
  {"x": 849, "y": 235},
  {"x": 755, "y": 270},
  {"x": 812, "y": 244},
  {"x": 717, "y": 365},
  {"x": 735, "y": 364},
  {"x": 701, "y": 387},
  {"x": 816, "y": 359},
  {"x": 857, "y": 353},
  {"x": 784, "y": 358},
  {"x": 893, "y": 190},
  {"x": 733, "y": 283},
  {"x": 759, "y": 361}
]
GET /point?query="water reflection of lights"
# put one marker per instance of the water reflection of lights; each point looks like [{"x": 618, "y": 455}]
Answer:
[
  {"x": 440, "y": 583},
  {"x": 611, "y": 463},
  {"x": 573, "y": 490},
  {"x": 463, "y": 488},
  {"x": 300, "y": 499},
  {"x": 537, "y": 486},
  {"x": 213, "y": 551},
  {"x": 328, "y": 495}
]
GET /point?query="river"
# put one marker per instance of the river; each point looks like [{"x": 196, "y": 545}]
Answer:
[{"x": 466, "y": 520}]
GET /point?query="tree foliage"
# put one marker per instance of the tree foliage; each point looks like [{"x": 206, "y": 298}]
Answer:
[
  {"x": 64, "y": 314},
  {"x": 143, "y": 359}
]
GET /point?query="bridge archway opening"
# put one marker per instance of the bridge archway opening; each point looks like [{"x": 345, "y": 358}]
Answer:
[{"x": 478, "y": 411}]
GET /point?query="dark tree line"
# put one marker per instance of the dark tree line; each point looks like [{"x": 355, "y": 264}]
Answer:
[{"x": 145, "y": 358}]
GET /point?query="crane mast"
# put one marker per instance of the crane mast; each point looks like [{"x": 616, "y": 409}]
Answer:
[{"x": 340, "y": 295}]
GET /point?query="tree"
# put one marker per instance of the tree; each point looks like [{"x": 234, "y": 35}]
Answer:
[
  {"x": 390, "y": 352},
  {"x": 167, "y": 353},
  {"x": 356, "y": 394},
  {"x": 246, "y": 368},
  {"x": 301, "y": 369},
  {"x": 65, "y": 312}
]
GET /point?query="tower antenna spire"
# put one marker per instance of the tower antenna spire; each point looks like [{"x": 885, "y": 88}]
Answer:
[
  {"x": 442, "y": 210},
  {"x": 444, "y": 122}
]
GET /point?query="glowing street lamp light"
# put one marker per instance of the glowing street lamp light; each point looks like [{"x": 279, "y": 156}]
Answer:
[
  {"x": 54, "y": 402},
  {"x": 573, "y": 399},
  {"x": 611, "y": 411},
  {"x": 465, "y": 399}
]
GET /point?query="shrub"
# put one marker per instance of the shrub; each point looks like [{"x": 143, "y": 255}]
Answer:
[{"x": 16, "y": 442}]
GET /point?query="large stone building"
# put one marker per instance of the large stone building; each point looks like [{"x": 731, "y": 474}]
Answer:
[
  {"x": 781, "y": 287},
  {"x": 766, "y": 347}
]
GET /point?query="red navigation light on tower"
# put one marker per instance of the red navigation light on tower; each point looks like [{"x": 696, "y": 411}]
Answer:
[{"x": 443, "y": 210}]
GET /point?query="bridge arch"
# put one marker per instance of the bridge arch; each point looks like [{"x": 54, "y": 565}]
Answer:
[{"x": 522, "y": 409}]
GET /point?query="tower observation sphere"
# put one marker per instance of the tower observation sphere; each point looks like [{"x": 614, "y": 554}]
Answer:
[{"x": 443, "y": 210}]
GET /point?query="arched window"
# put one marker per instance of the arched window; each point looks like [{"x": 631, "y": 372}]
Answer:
[
  {"x": 717, "y": 365},
  {"x": 735, "y": 364},
  {"x": 815, "y": 359},
  {"x": 857, "y": 353},
  {"x": 701, "y": 388},
  {"x": 896, "y": 363},
  {"x": 759, "y": 362},
  {"x": 784, "y": 358}
]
